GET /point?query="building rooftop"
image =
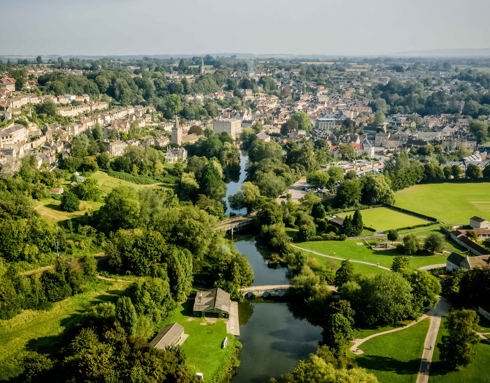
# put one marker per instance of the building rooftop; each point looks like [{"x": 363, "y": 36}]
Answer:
[
  {"x": 169, "y": 336},
  {"x": 214, "y": 299}
]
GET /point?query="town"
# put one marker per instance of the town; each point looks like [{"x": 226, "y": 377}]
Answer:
[{"x": 170, "y": 213}]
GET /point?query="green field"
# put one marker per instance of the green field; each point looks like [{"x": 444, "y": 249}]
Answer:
[
  {"x": 107, "y": 183},
  {"x": 50, "y": 211},
  {"x": 357, "y": 250},
  {"x": 382, "y": 219},
  {"x": 395, "y": 357},
  {"x": 476, "y": 372},
  {"x": 449, "y": 203},
  {"x": 203, "y": 346},
  {"x": 38, "y": 329}
]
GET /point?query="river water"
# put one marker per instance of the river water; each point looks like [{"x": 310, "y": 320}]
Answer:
[
  {"x": 233, "y": 187},
  {"x": 273, "y": 339}
]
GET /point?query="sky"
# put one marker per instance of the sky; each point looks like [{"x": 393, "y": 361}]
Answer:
[{"x": 319, "y": 27}]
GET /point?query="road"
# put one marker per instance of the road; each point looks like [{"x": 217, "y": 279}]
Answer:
[{"x": 441, "y": 309}]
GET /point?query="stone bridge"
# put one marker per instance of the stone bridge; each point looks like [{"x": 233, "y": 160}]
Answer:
[
  {"x": 265, "y": 291},
  {"x": 235, "y": 223}
]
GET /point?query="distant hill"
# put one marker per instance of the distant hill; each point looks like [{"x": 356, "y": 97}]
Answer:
[{"x": 483, "y": 52}]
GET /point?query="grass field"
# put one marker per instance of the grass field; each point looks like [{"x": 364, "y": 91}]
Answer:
[
  {"x": 38, "y": 330},
  {"x": 395, "y": 358},
  {"x": 203, "y": 346},
  {"x": 357, "y": 250},
  {"x": 359, "y": 268},
  {"x": 50, "y": 211},
  {"x": 476, "y": 372},
  {"x": 449, "y": 203},
  {"x": 382, "y": 219},
  {"x": 107, "y": 183}
]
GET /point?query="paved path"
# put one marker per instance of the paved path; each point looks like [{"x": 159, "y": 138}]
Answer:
[
  {"x": 233, "y": 322},
  {"x": 339, "y": 258},
  {"x": 357, "y": 342},
  {"x": 441, "y": 309}
]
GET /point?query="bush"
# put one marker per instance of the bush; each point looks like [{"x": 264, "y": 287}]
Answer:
[{"x": 70, "y": 202}]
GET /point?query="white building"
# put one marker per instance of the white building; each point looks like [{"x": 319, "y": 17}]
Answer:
[
  {"x": 14, "y": 134},
  {"x": 175, "y": 154},
  {"x": 230, "y": 126}
]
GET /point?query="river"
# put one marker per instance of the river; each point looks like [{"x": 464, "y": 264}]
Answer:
[
  {"x": 273, "y": 339},
  {"x": 233, "y": 187}
]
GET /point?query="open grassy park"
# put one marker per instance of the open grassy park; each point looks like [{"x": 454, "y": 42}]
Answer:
[
  {"x": 40, "y": 329},
  {"x": 449, "y": 203},
  {"x": 395, "y": 357},
  {"x": 203, "y": 346},
  {"x": 359, "y": 251},
  {"x": 107, "y": 183},
  {"x": 382, "y": 219}
]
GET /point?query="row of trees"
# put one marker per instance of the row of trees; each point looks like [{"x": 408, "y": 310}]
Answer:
[{"x": 38, "y": 291}]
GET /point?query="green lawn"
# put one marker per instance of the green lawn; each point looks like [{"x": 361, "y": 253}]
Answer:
[
  {"x": 382, "y": 219},
  {"x": 38, "y": 330},
  {"x": 395, "y": 357},
  {"x": 357, "y": 250},
  {"x": 476, "y": 372},
  {"x": 359, "y": 268},
  {"x": 449, "y": 203},
  {"x": 107, "y": 183},
  {"x": 50, "y": 211},
  {"x": 203, "y": 346}
]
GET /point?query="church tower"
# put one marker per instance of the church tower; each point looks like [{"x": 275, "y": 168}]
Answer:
[
  {"x": 201, "y": 67},
  {"x": 176, "y": 138}
]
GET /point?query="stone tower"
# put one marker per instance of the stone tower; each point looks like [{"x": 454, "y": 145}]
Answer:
[{"x": 176, "y": 138}]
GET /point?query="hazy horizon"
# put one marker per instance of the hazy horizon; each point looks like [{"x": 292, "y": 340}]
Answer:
[{"x": 267, "y": 27}]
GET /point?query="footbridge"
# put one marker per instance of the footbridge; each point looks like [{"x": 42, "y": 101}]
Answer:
[
  {"x": 235, "y": 223},
  {"x": 265, "y": 291}
]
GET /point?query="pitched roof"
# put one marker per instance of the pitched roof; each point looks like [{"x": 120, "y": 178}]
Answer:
[
  {"x": 214, "y": 299},
  {"x": 169, "y": 336},
  {"x": 456, "y": 259}
]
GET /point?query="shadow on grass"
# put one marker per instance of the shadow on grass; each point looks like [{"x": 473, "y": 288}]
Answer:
[{"x": 383, "y": 363}]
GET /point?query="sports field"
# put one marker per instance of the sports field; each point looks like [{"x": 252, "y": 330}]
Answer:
[
  {"x": 449, "y": 203},
  {"x": 382, "y": 219}
]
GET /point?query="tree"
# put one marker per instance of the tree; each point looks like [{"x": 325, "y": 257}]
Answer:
[
  {"x": 69, "y": 202},
  {"x": 401, "y": 264},
  {"x": 47, "y": 108},
  {"x": 411, "y": 244},
  {"x": 392, "y": 235},
  {"x": 473, "y": 172},
  {"x": 425, "y": 289},
  {"x": 247, "y": 197},
  {"x": 344, "y": 274},
  {"x": 377, "y": 190},
  {"x": 318, "y": 179},
  {"x": 434, "y": 243},
  {"x": 348, "y": 194},
  {"x": 126, "y": 314},
  {"x": 456, "y": 347},
  {"x": 338, "y": 332},
  {"x": 357, "y": 225},
  {"x": 479, "y": 130},
  {"x": 120, "y": 211},
  {"x": 382, "y": 299}
]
